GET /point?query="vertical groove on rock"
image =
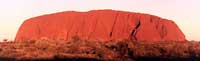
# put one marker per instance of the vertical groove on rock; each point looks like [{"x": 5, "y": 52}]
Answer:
[
  {"x": 151, "y": 19},
  {"x": 162, "y": 32},
  {"x": 165, "y": 31},
  {"x": 39, "y": 30},
  {"x": 115, "y": 20},
  {"x": 70, "y": 29},
  {"x": 128, "y": 17},
  {"x": 125, "y": 25},
  {"x": 84, "y": 21},
  {"x": 134, "y": 31},
  {"x": 82, "y": 25},
  {"x": 94, "y": 28}
]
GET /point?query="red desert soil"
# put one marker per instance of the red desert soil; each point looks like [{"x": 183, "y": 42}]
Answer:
[{"x": 102, "y": 25}]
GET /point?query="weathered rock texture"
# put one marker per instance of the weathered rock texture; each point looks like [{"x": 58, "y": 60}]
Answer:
[{"x": 100, "y": 25}]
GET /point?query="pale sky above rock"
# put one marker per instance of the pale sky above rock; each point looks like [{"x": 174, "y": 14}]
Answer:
[{"x": 186, "y": 13}]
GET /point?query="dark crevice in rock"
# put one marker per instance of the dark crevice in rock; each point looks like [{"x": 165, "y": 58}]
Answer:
[
  {"x": 110, "y": 34},
  {"x": 115, "y": 20},
  {"x": 151, "y": 19},
  {"x": 134, "y": 31}
]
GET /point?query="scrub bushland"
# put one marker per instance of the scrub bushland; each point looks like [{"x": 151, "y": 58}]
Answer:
[{"x": 121, "y": 50}]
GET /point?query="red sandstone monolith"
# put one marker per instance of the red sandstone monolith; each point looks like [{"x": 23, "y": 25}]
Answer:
[{"x": 100, "y": 25}]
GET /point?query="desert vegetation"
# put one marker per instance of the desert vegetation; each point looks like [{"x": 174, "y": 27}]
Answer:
[{"x": 121, "y": 50}]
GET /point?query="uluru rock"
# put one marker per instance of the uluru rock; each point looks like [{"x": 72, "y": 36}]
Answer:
[{"x": 100, "y": 25}]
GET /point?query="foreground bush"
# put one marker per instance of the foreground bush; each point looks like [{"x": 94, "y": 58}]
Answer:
[{"x": 123, "y": 50}]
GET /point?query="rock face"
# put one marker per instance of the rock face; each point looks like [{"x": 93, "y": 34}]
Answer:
[{"x": 100, "y": 25}]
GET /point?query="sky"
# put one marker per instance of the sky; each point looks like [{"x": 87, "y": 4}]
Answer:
[{"x": 185, "y": 13}]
